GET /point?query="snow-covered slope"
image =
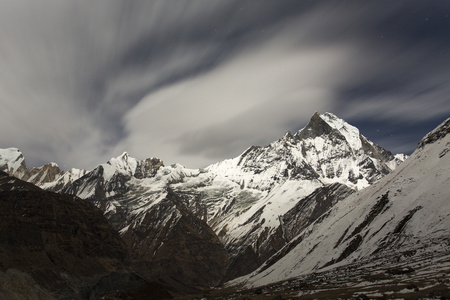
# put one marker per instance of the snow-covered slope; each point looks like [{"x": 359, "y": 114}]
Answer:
[
  {"x": 60, "y": 179},
  {"x": 114, "y": 177},
  {"x": 404, "y": 216}
]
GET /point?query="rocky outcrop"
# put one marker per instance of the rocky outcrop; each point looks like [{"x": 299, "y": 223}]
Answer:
[
  {"x": 439, "y": 133},
  {"x": 148, "y": 167}
]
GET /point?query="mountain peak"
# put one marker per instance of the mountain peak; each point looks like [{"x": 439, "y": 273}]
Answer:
[
  {"x": 124, "y": 155},
  {"x": 123, "y": 164},
  {"x": 327, "y": 123},
  {"x": 12, "y": 161},
  {"x": 124, "y": 158},
  {"x": 10, "y": 154},
  {"x": 316, "y": 127},
  {"x": 52, "y": 164},
  {"x": 350, "y": 132}
]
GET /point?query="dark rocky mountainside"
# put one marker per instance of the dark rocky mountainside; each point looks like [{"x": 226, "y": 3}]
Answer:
[{"x": 56, "y": 246}]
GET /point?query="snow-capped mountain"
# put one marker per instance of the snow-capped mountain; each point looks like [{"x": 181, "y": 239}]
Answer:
[
  {"x": 49, "y": 177},
  {"x": 402, "y": 220},
  {"x": 244, "y": 200},
  {"x": 327, "y": 149},
  {"x": 243, "y": 209}
]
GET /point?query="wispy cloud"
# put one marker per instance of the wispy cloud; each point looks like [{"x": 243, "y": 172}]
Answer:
[{"x": 247, "y": 99}]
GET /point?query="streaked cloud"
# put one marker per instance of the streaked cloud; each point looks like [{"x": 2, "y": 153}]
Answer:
[{"x": 246, "y": 100}]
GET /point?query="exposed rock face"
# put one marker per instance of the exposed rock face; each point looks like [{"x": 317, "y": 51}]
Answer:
[
  {"x": 47, "y": 173},
  {"x": 311, "y": 208},
  {"x": 317, "y": 127},
  {"x": 436, "y": 135},
  {"x": 171, "y": 242},
  {"x": 147, "y": 168}
]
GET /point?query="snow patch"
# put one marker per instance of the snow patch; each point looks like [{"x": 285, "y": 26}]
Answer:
[
  {"x": 12, "y": 159},
  {"x": 350, "y": 132}
]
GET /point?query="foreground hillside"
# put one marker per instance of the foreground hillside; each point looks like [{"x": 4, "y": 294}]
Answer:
[{"x": 56, "y": 246}]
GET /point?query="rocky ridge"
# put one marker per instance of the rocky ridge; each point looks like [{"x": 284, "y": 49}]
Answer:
[{"x": 49, "y": 176}]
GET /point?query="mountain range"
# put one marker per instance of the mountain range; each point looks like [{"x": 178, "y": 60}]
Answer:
[{"x": 321, "y": 199}]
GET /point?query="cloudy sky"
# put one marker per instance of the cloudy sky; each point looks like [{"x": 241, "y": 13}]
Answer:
[{"x": 198, "y": 81}]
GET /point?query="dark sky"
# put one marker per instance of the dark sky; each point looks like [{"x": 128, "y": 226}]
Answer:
[{"x": 199, "y": 81}]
